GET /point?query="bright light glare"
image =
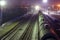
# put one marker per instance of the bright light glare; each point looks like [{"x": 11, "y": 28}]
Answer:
[
  {"x": 2, "y": 3},
  {"x": 58, "y": 5},
  {"x": 44, "y": 1},
  {"x": 37, "y": 7}
]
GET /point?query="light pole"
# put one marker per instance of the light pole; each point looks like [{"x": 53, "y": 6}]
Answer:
[{"x": 2, "y": 5}]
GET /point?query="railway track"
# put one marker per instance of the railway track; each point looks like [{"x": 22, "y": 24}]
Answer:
[
  {"x": 11, "y": 31},
  {"x": 29, "y": 30},
  {"x": 26, "y": 33}
]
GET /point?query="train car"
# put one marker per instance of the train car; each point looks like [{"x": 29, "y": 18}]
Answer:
[{"x": 46, "y": 32}]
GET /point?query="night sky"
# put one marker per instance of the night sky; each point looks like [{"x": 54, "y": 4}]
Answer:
[
  {"x": 29, "y": 2},
  {"x": 32, "y": 1}
]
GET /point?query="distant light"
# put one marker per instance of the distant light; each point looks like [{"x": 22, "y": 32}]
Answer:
[
  {"x": 58, "y": 5},
  {"x": 37, "y": 7},
  {"x": 44, "y": 1},
  {"x": 2, "y": 3}
]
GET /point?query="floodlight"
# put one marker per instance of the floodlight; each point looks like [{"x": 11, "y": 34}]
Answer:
[
  {"x": 44, "y": 1},
  {"x": 37, "y": 7},
  {"x": 2, "y": 3}
]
